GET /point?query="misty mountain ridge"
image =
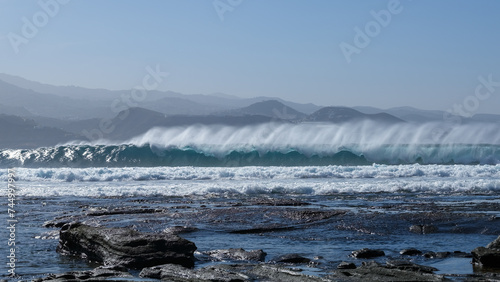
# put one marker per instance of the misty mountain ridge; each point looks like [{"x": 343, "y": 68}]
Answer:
[
  {"x": 345, "y": 114},
  {"x": 136, "y": 121},
  {"x": 46, "y": 119},
  {"x": 20, "y": 132},
  {"x": 270, "y": 108},
  {"x": 415, "y": 115},
  {"x": 41, "y": 104},
  {"x": 31, "y": 99},
  {"x": 87, "y": 103}
]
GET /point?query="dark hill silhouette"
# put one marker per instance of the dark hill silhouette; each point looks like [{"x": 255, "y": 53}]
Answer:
[
  {"x": 135, "y": 121},
  {"x": 23, "y": 133},
  {"x": 269, "y": 108},
  {"x": 345, "y": 114}
]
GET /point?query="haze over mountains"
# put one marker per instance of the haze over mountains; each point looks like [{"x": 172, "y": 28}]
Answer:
[{"x": 34, "y": 114}]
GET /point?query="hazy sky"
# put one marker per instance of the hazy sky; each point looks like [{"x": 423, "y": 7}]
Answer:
[{"x": 428, "y": 54}]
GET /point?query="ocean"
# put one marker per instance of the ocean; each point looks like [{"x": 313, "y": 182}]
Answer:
[{"x": 225, "y": 182}]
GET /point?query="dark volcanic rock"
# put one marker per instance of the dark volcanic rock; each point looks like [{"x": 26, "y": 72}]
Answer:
[
  {"x": 238, "y": 254},
  {"x": 279, "y": 202},
  {"x": 367, "y": 253},
  {"x": 346, "y": 265},
  {"x": 55, "y": 223},
  {"x": 98, "y": 274},
  {"x": 410, "y": 252},
  {"x": 423, "y": 229},
  {"x": 123, "y": 246},
  {"x": 311, "y": 215},
  {"x": 225, "y": 272},
  {"x": 171, "y": 272},
  {"x": 123, "y": 211},
  {"x": 488, "y": 257},
  {"x": 60, "y": 221},
  {"x": 406, "y": 265},
  {"x": 439, "y": 255},
  {"x": 179, "y": 230},
  {"x": 460, "y": 254},
  {"x": 430, "y": 255},
  {"x": 495, "y": 244},
  {"x": 290, "y": 258},
  {"x": 484, "y": 257},
  {"x": 373, "y": 271}
]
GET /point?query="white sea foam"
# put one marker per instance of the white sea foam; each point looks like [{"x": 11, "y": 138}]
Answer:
[{"x": 251, "y": 180}]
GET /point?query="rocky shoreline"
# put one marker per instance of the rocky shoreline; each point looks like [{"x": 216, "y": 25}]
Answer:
[
  {"x": 170, "y": 258},
  {"x": 144, "y": 240}
]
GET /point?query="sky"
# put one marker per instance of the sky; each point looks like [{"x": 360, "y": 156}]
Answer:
[{"x": 426, "y": 54}]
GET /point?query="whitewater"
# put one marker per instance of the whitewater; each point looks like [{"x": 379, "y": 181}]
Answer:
[
  {"x": 219, "y": 179},
  {"x": 304, "y": 180},
  {"x": 277, "y": 144}
]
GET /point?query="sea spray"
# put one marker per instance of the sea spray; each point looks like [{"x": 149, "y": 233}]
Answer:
[{"x": 276, "y": 144}]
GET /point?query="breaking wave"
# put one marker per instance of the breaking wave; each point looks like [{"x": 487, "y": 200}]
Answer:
[
  {"x": 316, "y": 144},
  {"x": 148, "y": 156}
]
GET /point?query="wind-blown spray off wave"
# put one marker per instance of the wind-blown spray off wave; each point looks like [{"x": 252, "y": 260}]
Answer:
[{"x": 360, "y": 143}]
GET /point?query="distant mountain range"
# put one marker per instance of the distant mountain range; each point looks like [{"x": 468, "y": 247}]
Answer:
[
  {"x": 17, "y": 132},
  {"x": 270, "y": 108},
  {"x": 34, "y": 114},
  {"x": 344, "y": 114},
  {"x": 83, "y": 103}
]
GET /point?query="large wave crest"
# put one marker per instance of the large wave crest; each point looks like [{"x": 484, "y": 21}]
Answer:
[{"x": 277, "y": 144}]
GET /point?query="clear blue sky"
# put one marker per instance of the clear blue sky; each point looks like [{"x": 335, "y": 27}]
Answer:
[{"x": 428, "y": 56}]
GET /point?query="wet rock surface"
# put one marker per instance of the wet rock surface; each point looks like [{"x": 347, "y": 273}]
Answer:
[
  {"x": 170, "y": 272},
  {"x": 227, "y": 273},
  {"x": 122, "y": 211},
  {"x": 124, "y": 246},
  {"x": 97, "y": 274},
  {"x": 488, "y": 257},
  {"x": 407, "y": 265},
  {"x": 410, "y": 252},
  {"x": 346, "y": 265},
  {"x": 280, "y": 220},
  {"x": 367, "y": 253},
  {"x": 176, "y": 230},
  {"x": 495, "y": 244},
  {"x": 423, "y": 229},
  {"x": 279, "y": 202},
  {"x": 263, "y": 229},
  {"x": 372, "y": 271},
  {"x": 238, "y": 254},
  {"x": 439, "y": 255},
  {"x": 290, "y": 258}
]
